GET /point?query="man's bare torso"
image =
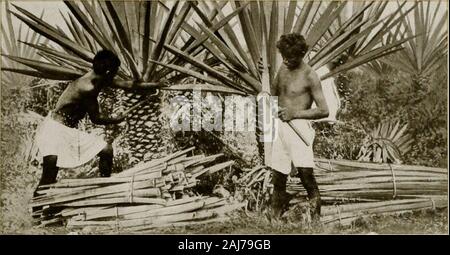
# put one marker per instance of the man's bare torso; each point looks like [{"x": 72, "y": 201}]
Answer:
[
  {"x": 72, "y": 104},
  {"x": 294, "y": 88}
]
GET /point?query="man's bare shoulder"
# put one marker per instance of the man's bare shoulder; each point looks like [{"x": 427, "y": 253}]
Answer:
[
  {"x": 282, "y": 69},
  {"x": 311, "y": 76},
  {"x": 84, "y": 83}
]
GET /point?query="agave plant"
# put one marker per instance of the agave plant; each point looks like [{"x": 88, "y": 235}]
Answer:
[
  {"x": 386, "y": 144},
  {"x": 378, "y": 69},
  {"x": 242, "y": 48},
  {"x": 10, "y": 47},
  {"x": 425, "y": 53},
  {"x": 224, "y": 48},
  {"x": 263, "y": 22},
  {"x": 136, "y": 32}
]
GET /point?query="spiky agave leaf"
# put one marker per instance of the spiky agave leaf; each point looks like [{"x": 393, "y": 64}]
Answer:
[
  {"x": 362, "y": 41},
  {"x": 12, "y": 78},
  {"x": 313, "y": 20},
  {"x": 44, "y": 67},
  {"x": 423, "y": 55},
  {"x": 377, "y": 68},
  {"x": 107, "y": 24},
  {"x": 52, "y": 33},
  {"x": 193, "y": 45}
]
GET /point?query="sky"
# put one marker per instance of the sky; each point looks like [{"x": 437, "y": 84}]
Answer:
[{"x": 51, "y": 14}]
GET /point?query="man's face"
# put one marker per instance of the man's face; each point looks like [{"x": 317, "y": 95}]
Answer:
[
  {"x": 111, "y": 73},
  {"x": 291, "y": 62}
]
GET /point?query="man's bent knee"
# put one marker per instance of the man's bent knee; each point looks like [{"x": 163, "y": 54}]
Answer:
[
  {"x": 279, "y": 179},
  {"x": 107, "y": 150},
  {"x": 50, "y": 160}
]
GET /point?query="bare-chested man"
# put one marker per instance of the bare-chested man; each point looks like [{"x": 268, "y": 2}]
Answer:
[
  {"x": 297, "y": 87},
  {"x": 59, "y": 142}
]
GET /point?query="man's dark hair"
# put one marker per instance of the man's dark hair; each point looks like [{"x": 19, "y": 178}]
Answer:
[
  {"x": 292, "y": 44},
  {"x": 105, "y": 61}
]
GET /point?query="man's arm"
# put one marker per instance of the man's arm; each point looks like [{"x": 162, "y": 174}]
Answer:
[
  {"x": 321, "y": 110},
  {"x": 96, "y": 117},
  {"x": 274, "y": 85},
  {"x": 136, "y": 85}
]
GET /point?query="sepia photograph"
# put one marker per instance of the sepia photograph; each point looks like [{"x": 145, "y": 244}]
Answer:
[{"x": 236, "y": 117}]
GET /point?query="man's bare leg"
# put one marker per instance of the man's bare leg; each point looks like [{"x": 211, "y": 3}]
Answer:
[
  {"x": 280, "y": 198},
  {"x": 309, "y": 182},
  {"x": 49, "y": 174},
  {"x": 106, "y": 161}
]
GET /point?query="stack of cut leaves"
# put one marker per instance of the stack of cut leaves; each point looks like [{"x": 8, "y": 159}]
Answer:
[
  {"x": 154, "y": 193},
  {"x": 356, "y": 189},
  {"x": 351, "y": 189},
  {"x": 342, "y": 179},
  {"x": 345, "y": 214},
  {"x": 253, "y": 186}
]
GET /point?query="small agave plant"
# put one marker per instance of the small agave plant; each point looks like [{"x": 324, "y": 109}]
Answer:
[{"x": 387, "y": 143}]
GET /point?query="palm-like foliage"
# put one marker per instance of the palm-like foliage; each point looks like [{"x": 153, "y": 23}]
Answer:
[
  {"x": 261, "y": 24},
  {"x": 377, "y": 68},
  {"x": 135, "y": 31},
  {"x": 141, "y": 39},
  {"x": 9, "y": 46},
  {"x": 234, "y": 36},
  {"x": 386, "y": 144},
  {"x": 243, "y": 48},
  {"x": 423, "y": 55}
]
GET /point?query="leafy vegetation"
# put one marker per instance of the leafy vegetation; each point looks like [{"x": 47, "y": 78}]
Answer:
[
  {"x": 261, "y": 24},
  {"x": 393, "y": 100},
  {"x": 423, "y": 54},
  {"x": 386, "y": 143},
  {"x": 382, "y": 111},
  {"x": 10, "y": 47}
]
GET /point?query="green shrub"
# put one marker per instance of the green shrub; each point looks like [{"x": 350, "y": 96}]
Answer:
[{"x": 369, "y": 100}]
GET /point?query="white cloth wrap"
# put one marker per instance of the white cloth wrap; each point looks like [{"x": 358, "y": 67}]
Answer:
[
  {"x": 72, "y": 146},
  {"x": 288, "y": 148}
]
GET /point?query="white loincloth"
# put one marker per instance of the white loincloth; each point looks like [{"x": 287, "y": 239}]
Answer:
[
  {"x": 288, "y": 148},
  {"x": 72, "y": 146}
]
